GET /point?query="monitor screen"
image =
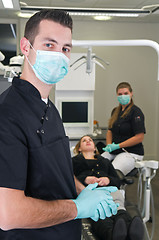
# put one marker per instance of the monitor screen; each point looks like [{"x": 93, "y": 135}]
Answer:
[{"x": 75, "y": 112}]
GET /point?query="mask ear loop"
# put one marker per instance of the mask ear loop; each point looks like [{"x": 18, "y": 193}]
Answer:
[
  {"x": 27, "y": 57},
  {"x": 31, "y": 46}
]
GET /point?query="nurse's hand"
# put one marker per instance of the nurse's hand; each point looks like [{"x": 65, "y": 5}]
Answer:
[
  {"x": 111, "y": 147},
  {"x": 95, "y": 203}
]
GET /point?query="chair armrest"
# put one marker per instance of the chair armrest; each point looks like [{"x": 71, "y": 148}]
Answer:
[{"x": 124, "y": 179}]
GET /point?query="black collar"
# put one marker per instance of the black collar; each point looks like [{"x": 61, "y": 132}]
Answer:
[{"x": 25, "y": 86}]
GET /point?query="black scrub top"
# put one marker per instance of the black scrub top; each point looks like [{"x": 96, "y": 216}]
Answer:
[
  {"x": 35, "y": 156},
  {"x": 127, "y": 127},
  {"x": 101, "y": 167}
]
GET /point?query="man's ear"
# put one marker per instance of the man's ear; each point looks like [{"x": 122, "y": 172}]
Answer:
[{"x": 24, "y": 46}]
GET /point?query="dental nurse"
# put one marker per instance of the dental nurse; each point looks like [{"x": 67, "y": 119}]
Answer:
[{"x": 126, "y": 129}]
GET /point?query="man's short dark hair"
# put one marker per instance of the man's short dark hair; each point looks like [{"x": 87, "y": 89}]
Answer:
[{"x": 58, "y": 16}]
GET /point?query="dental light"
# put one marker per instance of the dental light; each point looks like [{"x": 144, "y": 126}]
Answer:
[{"x": 102, "y": 43}]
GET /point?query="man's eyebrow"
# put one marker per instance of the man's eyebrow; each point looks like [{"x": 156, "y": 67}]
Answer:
[
  {"x": 54, "y": 41},
  {"x": 68, "y": 45},
  {"x": 50, "y": 40}
]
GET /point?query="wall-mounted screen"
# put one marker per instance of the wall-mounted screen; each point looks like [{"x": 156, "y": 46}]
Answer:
[{"x": 76, "y": 112}]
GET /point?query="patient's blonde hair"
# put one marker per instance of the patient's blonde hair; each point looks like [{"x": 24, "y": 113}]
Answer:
[
  {"x": 116, "y": 111},
  {"x": 76, "y": 149}
]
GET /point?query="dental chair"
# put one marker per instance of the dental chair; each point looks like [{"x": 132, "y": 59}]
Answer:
[
  {"x": 145, "y": 171},
  {"x": 87, "y": 232}
]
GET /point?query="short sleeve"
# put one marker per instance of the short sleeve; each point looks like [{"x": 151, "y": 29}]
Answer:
[
  {"x": 13, "y": 154},
  {"x": 138, "y": 121}
]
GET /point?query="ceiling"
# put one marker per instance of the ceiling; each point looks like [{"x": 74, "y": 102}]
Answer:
[
  {"x": 91, "y": 3},
  {"x": 8, "y": 40},
  {"x": 151, "y": 5}
]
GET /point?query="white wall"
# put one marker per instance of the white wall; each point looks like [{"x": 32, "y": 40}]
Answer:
[{"x": 137, "y": 65}]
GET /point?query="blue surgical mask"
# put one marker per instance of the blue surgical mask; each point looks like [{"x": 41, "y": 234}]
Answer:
[
  {"x": 50, "y": 67},
  {"x": 124, "y": 99}
]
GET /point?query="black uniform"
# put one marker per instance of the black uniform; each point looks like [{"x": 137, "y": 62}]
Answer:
[
  {"x": 101, "y": 167},
  {"x": 127, "y": 127},
  {"x": 35, "y": 156}
]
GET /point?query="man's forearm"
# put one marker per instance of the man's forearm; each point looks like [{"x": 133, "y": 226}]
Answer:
[
  {"x": 19, "y": 211},
  {"x": 79, "y": 185}
]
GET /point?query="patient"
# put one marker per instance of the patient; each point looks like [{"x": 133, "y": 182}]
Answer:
[{"x": 90, "y": 167}]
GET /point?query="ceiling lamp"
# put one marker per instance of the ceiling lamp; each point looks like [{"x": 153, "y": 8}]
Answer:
[
  {"x": 102, "y": 18},
  {"x": 95, "y": 11}
]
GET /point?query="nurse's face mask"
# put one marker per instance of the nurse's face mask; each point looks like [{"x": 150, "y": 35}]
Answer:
[
  {"x": 50, "y": 67},
  {"x": 124, "y": 99}
]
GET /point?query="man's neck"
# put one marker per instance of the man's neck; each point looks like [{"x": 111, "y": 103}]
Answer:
[{"x": 43, "y": 88}]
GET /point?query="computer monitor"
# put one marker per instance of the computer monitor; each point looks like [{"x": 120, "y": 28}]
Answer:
[{"x": 76, "y": 112}]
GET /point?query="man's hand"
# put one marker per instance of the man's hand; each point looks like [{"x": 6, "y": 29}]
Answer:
[{"x": 95, "y": 203}]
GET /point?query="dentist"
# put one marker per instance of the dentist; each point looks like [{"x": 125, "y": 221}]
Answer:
[{"x": 39, "y": 196}]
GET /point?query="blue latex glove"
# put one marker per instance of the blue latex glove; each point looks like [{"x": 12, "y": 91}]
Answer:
[
  {"x": 112, "y": 205},
  {"x": 94, "y": 203},
  {"x": 111, "y": 147},
  {"x": 109, "y": 189},
  {"x": 102, "y": 211},
  {"x": 110, "y": 208}
]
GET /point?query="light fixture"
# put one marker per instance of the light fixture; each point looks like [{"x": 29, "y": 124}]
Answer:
[
  {"x": 75, "y": 1},
  {"x": 102, "y": 18},
  {"x": 103, "y": 14},
  {"x": 95, "y": 11},
  {"x": 7, "y": 3},
  {"x": 23, "y": 3},
  {"x": 25, "y": 14},
  {"x": 13, "y": 31}
]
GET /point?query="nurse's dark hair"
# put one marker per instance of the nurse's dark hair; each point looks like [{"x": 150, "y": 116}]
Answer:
[
  {"x": 76, "y": 149},
  {"x": 116, "y": 111},
  {"x": 58, "y": 16}
]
